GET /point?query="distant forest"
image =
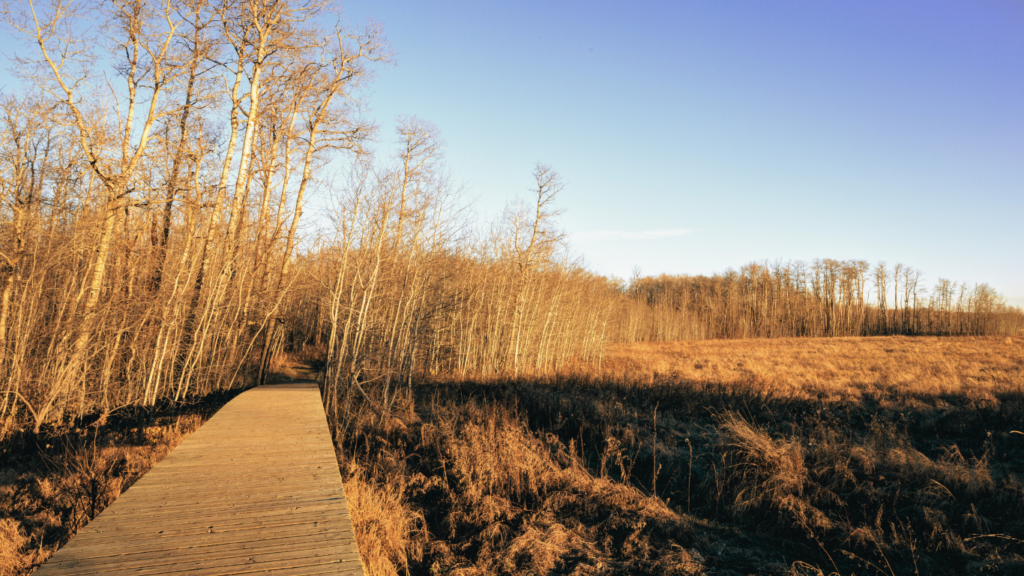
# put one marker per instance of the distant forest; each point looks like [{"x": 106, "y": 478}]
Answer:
[
  {"x": 823, "y": 298},
  {"x": 154, "y": 173}
]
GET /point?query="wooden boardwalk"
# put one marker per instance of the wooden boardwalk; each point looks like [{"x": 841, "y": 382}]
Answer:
[{"x": 256, "y": 490}]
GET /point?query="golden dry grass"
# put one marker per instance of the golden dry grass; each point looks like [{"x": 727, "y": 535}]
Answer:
[
  {"x": 386, "y": 530},
  {"x": 476, "y": 492},
  {"x": 829, "y": 369},
  {"x": 12, "y": 541},
  {"x": 886, "y": 455},
  {"x": 863, "y": 455}
]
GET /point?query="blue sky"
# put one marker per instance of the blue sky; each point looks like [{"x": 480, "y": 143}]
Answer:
[{"x": 697, "y": 136}]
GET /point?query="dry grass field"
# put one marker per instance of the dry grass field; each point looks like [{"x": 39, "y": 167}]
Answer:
[
  {"x": 830, "y": 369},
  {"x": 888, "y": 455}
]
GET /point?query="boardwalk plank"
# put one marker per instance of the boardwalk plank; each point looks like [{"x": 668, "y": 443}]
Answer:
[
  {"x": 210, "y": 557},
  {"x": 198, "y": 540},
  {"x": 125, "y": 543},
  {"x": 220, "y": 517},
  {"x": 256, "y": 490},
  {"x": 143, "y": 539}
]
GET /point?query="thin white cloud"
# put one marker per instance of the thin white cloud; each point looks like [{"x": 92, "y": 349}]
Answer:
[{"x": 624, "y": 235}]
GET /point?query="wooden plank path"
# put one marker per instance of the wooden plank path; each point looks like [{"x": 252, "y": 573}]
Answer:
[{"x": 256, "y": 490}]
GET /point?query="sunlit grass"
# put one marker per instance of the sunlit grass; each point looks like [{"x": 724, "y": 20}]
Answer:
[{"x": 883, "y": 455}]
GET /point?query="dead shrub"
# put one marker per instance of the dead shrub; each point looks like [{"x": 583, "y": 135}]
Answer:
[
  {"x": 491, "y": 454},
  {"x": 938, "y": 533},
  {"x": 389, "y": 534},
  {"x": 541, "y": 547},
  {"x": 971, "y": 477},
  {"x": 90, "y": 479},
  {"x": 767, "y": 474},
  {"x": 12, "y": 541}
]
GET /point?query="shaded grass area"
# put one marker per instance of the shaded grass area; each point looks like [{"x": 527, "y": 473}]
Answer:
[
  {"x": 629, "y": 473},
  {"x": 54, "y": 482}
]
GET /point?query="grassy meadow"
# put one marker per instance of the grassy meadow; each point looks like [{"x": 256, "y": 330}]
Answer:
[{"x": 885, "y": 455}]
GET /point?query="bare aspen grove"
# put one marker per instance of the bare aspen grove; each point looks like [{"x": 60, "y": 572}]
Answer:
[
  {"x": 154, "y": 180},
  {"x": 153, "y": 184},
  {"x": 823, "y": 298},
  {"x": 497, "y": 407}
]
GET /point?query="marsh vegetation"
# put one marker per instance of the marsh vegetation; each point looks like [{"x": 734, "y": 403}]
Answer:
[
  {"x": 498, "y": 407},
  {"x": 885, "y": 455}
]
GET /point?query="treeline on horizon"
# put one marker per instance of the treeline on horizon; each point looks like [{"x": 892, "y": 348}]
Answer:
[
  {"x": 819, "y": 299},
  {"x": 153, "y": 177}
]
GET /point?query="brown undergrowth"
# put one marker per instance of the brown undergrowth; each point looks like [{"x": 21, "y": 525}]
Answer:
[
  {"x": 852, "y": 456},
  {"x": 53, "y": 483}
]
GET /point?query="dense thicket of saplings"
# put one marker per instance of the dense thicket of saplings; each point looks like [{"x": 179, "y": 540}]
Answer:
[
  {"x": 153, "y": 172},
  {"x": 153, "y": 176}
]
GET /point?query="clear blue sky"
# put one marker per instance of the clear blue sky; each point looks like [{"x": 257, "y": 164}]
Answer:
[
  {"x": 697, "y": 136},
  {"x": 763, "y": 130}
]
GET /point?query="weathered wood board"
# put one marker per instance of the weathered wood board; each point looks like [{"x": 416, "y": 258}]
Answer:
[{"x": 256, "y": 490}]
